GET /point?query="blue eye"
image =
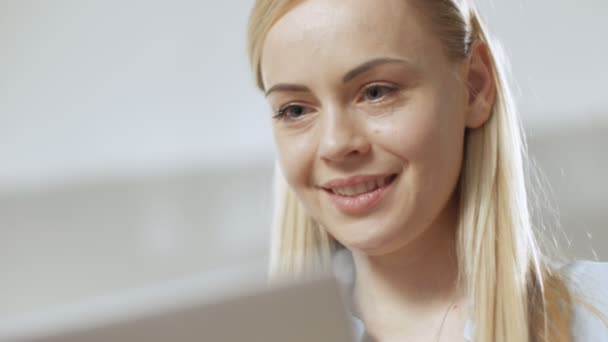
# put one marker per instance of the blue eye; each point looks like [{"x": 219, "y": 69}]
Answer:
[
  {"x": 376, "y": 92},
  {"x": 290, "y": 112}
]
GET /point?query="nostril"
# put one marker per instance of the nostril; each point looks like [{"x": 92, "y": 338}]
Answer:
[{"x": 342, "y": 143}]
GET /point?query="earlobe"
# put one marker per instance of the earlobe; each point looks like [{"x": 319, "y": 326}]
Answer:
[{"x": 481, "y": 85}]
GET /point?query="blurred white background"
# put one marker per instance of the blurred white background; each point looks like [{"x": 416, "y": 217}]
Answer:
[{"x": 136, "y": 149}]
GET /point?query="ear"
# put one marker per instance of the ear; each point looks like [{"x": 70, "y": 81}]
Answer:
[{"x": 481, "y": 85}]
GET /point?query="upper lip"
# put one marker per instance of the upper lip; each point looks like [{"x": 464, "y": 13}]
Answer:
[{"x": 353, "y": 180}]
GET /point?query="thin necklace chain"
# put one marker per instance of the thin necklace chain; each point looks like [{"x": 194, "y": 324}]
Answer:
[{"x": 445, "y": 315}]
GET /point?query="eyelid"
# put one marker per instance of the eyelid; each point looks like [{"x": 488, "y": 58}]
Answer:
[
  {"x": 280, "y": 112},
  {"x": 289, "y": 104},
  {"x": 387, "y": 85}
]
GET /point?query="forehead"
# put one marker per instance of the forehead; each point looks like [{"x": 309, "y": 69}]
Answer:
[{"x": 331, "y": 36}]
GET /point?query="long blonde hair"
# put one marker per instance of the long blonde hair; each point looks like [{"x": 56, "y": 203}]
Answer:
[{"x": 518, "y": 294}]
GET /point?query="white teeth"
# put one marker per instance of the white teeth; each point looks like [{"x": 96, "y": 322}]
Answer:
[
  {"x": 360, "y": 188},
  {"x": 380, "y": 183},
  {"x": 348, "y": 191}
]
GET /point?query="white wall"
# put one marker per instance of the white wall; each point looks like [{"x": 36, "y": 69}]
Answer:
[
  {"x": 91, "y": 87},
  {"x": 558, "y": 52},
  {"x": 135, "y": 148}
]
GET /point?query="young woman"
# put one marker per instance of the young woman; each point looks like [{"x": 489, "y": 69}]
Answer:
[{"x": 400, "y": 149}]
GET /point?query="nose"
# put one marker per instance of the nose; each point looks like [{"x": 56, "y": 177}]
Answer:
[{"x": 343, "y": 137}]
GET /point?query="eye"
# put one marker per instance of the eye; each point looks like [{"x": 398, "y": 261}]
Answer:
[
  {"x": 291, "y": 112},
  {"x": 376, "y": 92}
]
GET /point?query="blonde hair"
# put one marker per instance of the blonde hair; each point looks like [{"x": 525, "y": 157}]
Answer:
[{"x": 518, "y": 295}]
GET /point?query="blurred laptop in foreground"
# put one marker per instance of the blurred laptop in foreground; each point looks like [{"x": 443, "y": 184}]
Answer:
[{"x": 186, "y": 312}]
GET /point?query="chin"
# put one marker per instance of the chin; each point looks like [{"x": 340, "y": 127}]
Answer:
[{"x": 376, "y": 242}]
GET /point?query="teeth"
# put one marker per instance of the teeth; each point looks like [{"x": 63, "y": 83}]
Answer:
[
  {"x": 381, "y": 182},
  {"x": 345, "y": 191},
  {"x": 360, "y": 188}
]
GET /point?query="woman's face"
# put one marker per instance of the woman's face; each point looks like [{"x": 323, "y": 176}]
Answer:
[{"x": 369, "y": 118}]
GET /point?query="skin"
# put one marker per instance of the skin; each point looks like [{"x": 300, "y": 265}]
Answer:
[{"x": 365, "y": 87}]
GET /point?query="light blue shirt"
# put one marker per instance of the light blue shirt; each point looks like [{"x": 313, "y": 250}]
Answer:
[
  {"x": 586, "y": 279},
  {"x": 589, "y": 280}
]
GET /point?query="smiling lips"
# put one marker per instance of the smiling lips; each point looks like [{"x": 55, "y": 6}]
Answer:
[{"x": 356, "y": 195}]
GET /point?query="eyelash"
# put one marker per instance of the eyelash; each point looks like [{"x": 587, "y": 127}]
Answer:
[
  {"x": 281, "y": 113},
  {"x": 390, "y": 89}
]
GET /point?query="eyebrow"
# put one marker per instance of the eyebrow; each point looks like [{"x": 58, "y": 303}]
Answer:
[
  {"x": 347, "y": 77},
  {"x": 288, "y": 87},
  {"x": 370, "y": 65}
]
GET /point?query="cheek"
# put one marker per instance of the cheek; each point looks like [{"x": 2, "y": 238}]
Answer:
[
  {"x": 411, "y": 134},
  {"x": 426, "y": 134},
  {"x": 296, "y": 156}
]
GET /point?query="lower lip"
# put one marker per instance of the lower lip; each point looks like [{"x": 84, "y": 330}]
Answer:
[{"x": 361, "y": 203}]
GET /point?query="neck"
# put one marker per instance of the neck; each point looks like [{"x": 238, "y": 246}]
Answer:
[{"x": 412, "y": 286}]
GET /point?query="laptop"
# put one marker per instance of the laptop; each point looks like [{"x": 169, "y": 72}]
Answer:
[{"x": 305, "y": 311}]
